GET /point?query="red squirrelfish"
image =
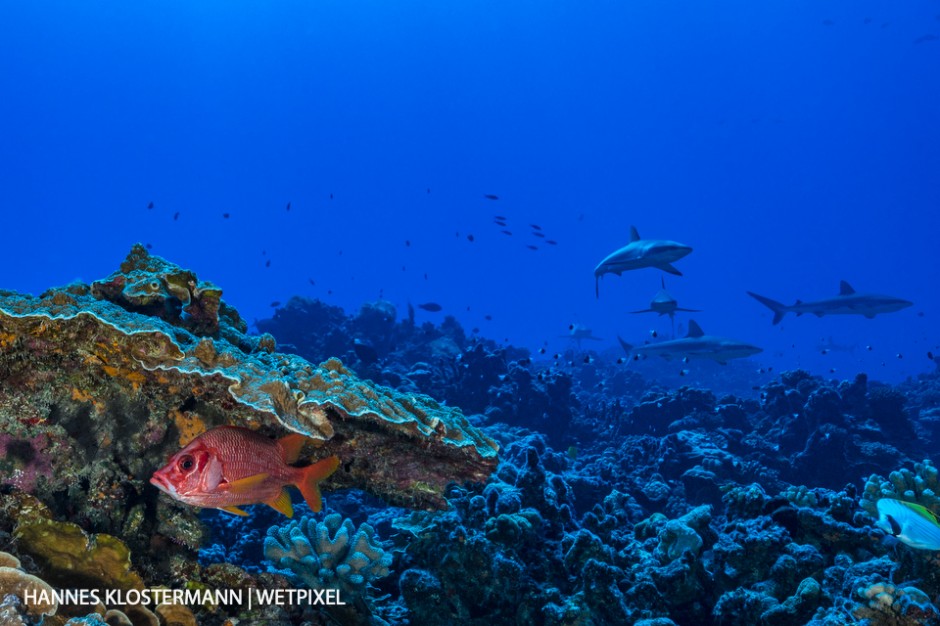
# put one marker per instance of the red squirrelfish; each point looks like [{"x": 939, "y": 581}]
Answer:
[{"x": 230, "y": 466}]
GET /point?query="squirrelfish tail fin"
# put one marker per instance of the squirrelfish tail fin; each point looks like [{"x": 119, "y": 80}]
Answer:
[{"x": 310, "y": 478}]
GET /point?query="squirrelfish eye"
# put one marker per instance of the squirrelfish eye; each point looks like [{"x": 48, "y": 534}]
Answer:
[{"x": 186, "y": 463}]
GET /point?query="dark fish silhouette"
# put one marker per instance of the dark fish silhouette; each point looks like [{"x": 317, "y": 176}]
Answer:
[
  {"x": 431, "y": 307},
  {"x": 150, "y": 205},
  {"x": 500, "y": 218},
  {"x": 331, "y": 196},
  {"x": 470, "y": 238},
  {"x": 926, "y": 38},
  {"x": 506, "y": 232},
  {"x": 149, "y": 246},
  {"x": 407, "y": 243},
  {"x": 500, "y": 222},
  {"x": 176, "y": 216},
  {"x": 535, "y": 227},
  {"x": 532, "y": 247},
  {"x": 226, "y": 215},
  {"x": 490, "y": 196},
  {"x": 276, "y": 303},
  {"x": 551, "y": 242},
  {"x": 311, "y": 281},
  {"x": 288, "y": 206},
  {"x": 538, "y": 234},
  {"x": 488, "y": 318},
  {"x": 365, "y": 351},
  {"x": 267, "y": 263}
]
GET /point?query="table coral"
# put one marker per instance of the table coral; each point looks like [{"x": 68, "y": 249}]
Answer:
[
  {"x": 114, "y": 347},
  {"x": 328, "y": 554}
]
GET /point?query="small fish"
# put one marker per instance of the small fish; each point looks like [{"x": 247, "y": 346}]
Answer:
[
  {"x": 542, "y": 350},
  {"x": 500, "y": 222},
  {"x": 276, "y": 304},
  {"x": 431, "y": 307},
  {"x": 551, "y": 242},
  {"x": 538, "y": 234},
  {"x": 530, "y": 247},
  {"x": 176, "y": 216},
  {"x": 488, "y": 318},
  {"x": 470, "y": 238},
  {"x": 429, "y": 190},
  {"x": 226, "y": 215},
  {"x": 506, "y": 232},
  {"x": 407, "y": 243},
  {"x": 230, "y": 466},
  {"x": 150, "y": 205},
  {"x": 535, "y": 227},
  {"x": 913, "y": 524},
  {"x": 150, "y": 246},
  {"x": 288, "y": 206},
  {"x": 267, "y": 263},
  {"x": 331, "y": 196},
  {"x": 653, "y": 334},
  {"x": 926, "y": 38},
  {"x": 311, "y": 281},
  {"x": 490, "y": 196},
  {"x": 501, "y": 218}
]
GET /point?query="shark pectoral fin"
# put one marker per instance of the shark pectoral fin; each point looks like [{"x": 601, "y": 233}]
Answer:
[
  {"x": 234, "y": 510},
  {"x": 243, "y": 485},
  {"x": 282, "y": 503},
  {"x": 669, "y": 268}
]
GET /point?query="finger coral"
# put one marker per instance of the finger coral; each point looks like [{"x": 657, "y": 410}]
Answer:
[{"x": 328, "y": 554}]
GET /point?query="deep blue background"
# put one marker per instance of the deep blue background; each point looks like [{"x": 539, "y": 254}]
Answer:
[{"x": 792, "y": 144}]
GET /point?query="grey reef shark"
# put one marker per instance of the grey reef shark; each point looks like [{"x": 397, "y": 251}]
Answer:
[
  {"x": 579, "y": 333},
  {"x": 695, "y": 345},
  {"x": 640, "y": 253},
  {"x": 848, "y": 302},
  {"x": 665, "y": 304}
]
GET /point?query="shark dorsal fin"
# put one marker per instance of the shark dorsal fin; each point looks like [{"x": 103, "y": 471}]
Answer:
[
  {"x": 634, "y": 235},
  {"x": 694, "y": 329},
  {"x": 845, "y": 289}
]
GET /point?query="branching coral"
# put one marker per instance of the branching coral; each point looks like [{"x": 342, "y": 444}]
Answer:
[
  {"x": 328, "y": 554},
  {"x": 921, "y": 486}
]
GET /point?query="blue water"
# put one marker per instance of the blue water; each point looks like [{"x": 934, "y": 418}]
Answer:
[{"x": 791, "y": 144}]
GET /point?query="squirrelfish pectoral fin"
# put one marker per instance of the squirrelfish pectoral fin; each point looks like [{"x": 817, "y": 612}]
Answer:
[
  {"x": 291, "y": 445},
  {"x": 282, "y": 504},
  {"x": 234, "y": 510},
  {"x": 309, "y": 483},
  {"x": 243, "y": 485}
]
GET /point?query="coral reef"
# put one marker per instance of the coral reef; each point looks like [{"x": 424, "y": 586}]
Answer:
[{"x": 328, "y": 554}]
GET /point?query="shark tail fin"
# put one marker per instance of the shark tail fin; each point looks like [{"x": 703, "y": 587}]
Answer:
[
  {"x": 626, "y": 347},
  {"x": 778, "y": 308}
]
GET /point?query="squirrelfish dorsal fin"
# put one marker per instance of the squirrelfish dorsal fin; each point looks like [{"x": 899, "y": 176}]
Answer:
[
  {"x": 291, "y": 445},
  {"x": 845, "y": 289},
  {"x": 282, "y": 503},
  {"x": 634, "y": 235},
  {"x": 694, "y": 329},
  {"x": 243, "y": 485}
]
